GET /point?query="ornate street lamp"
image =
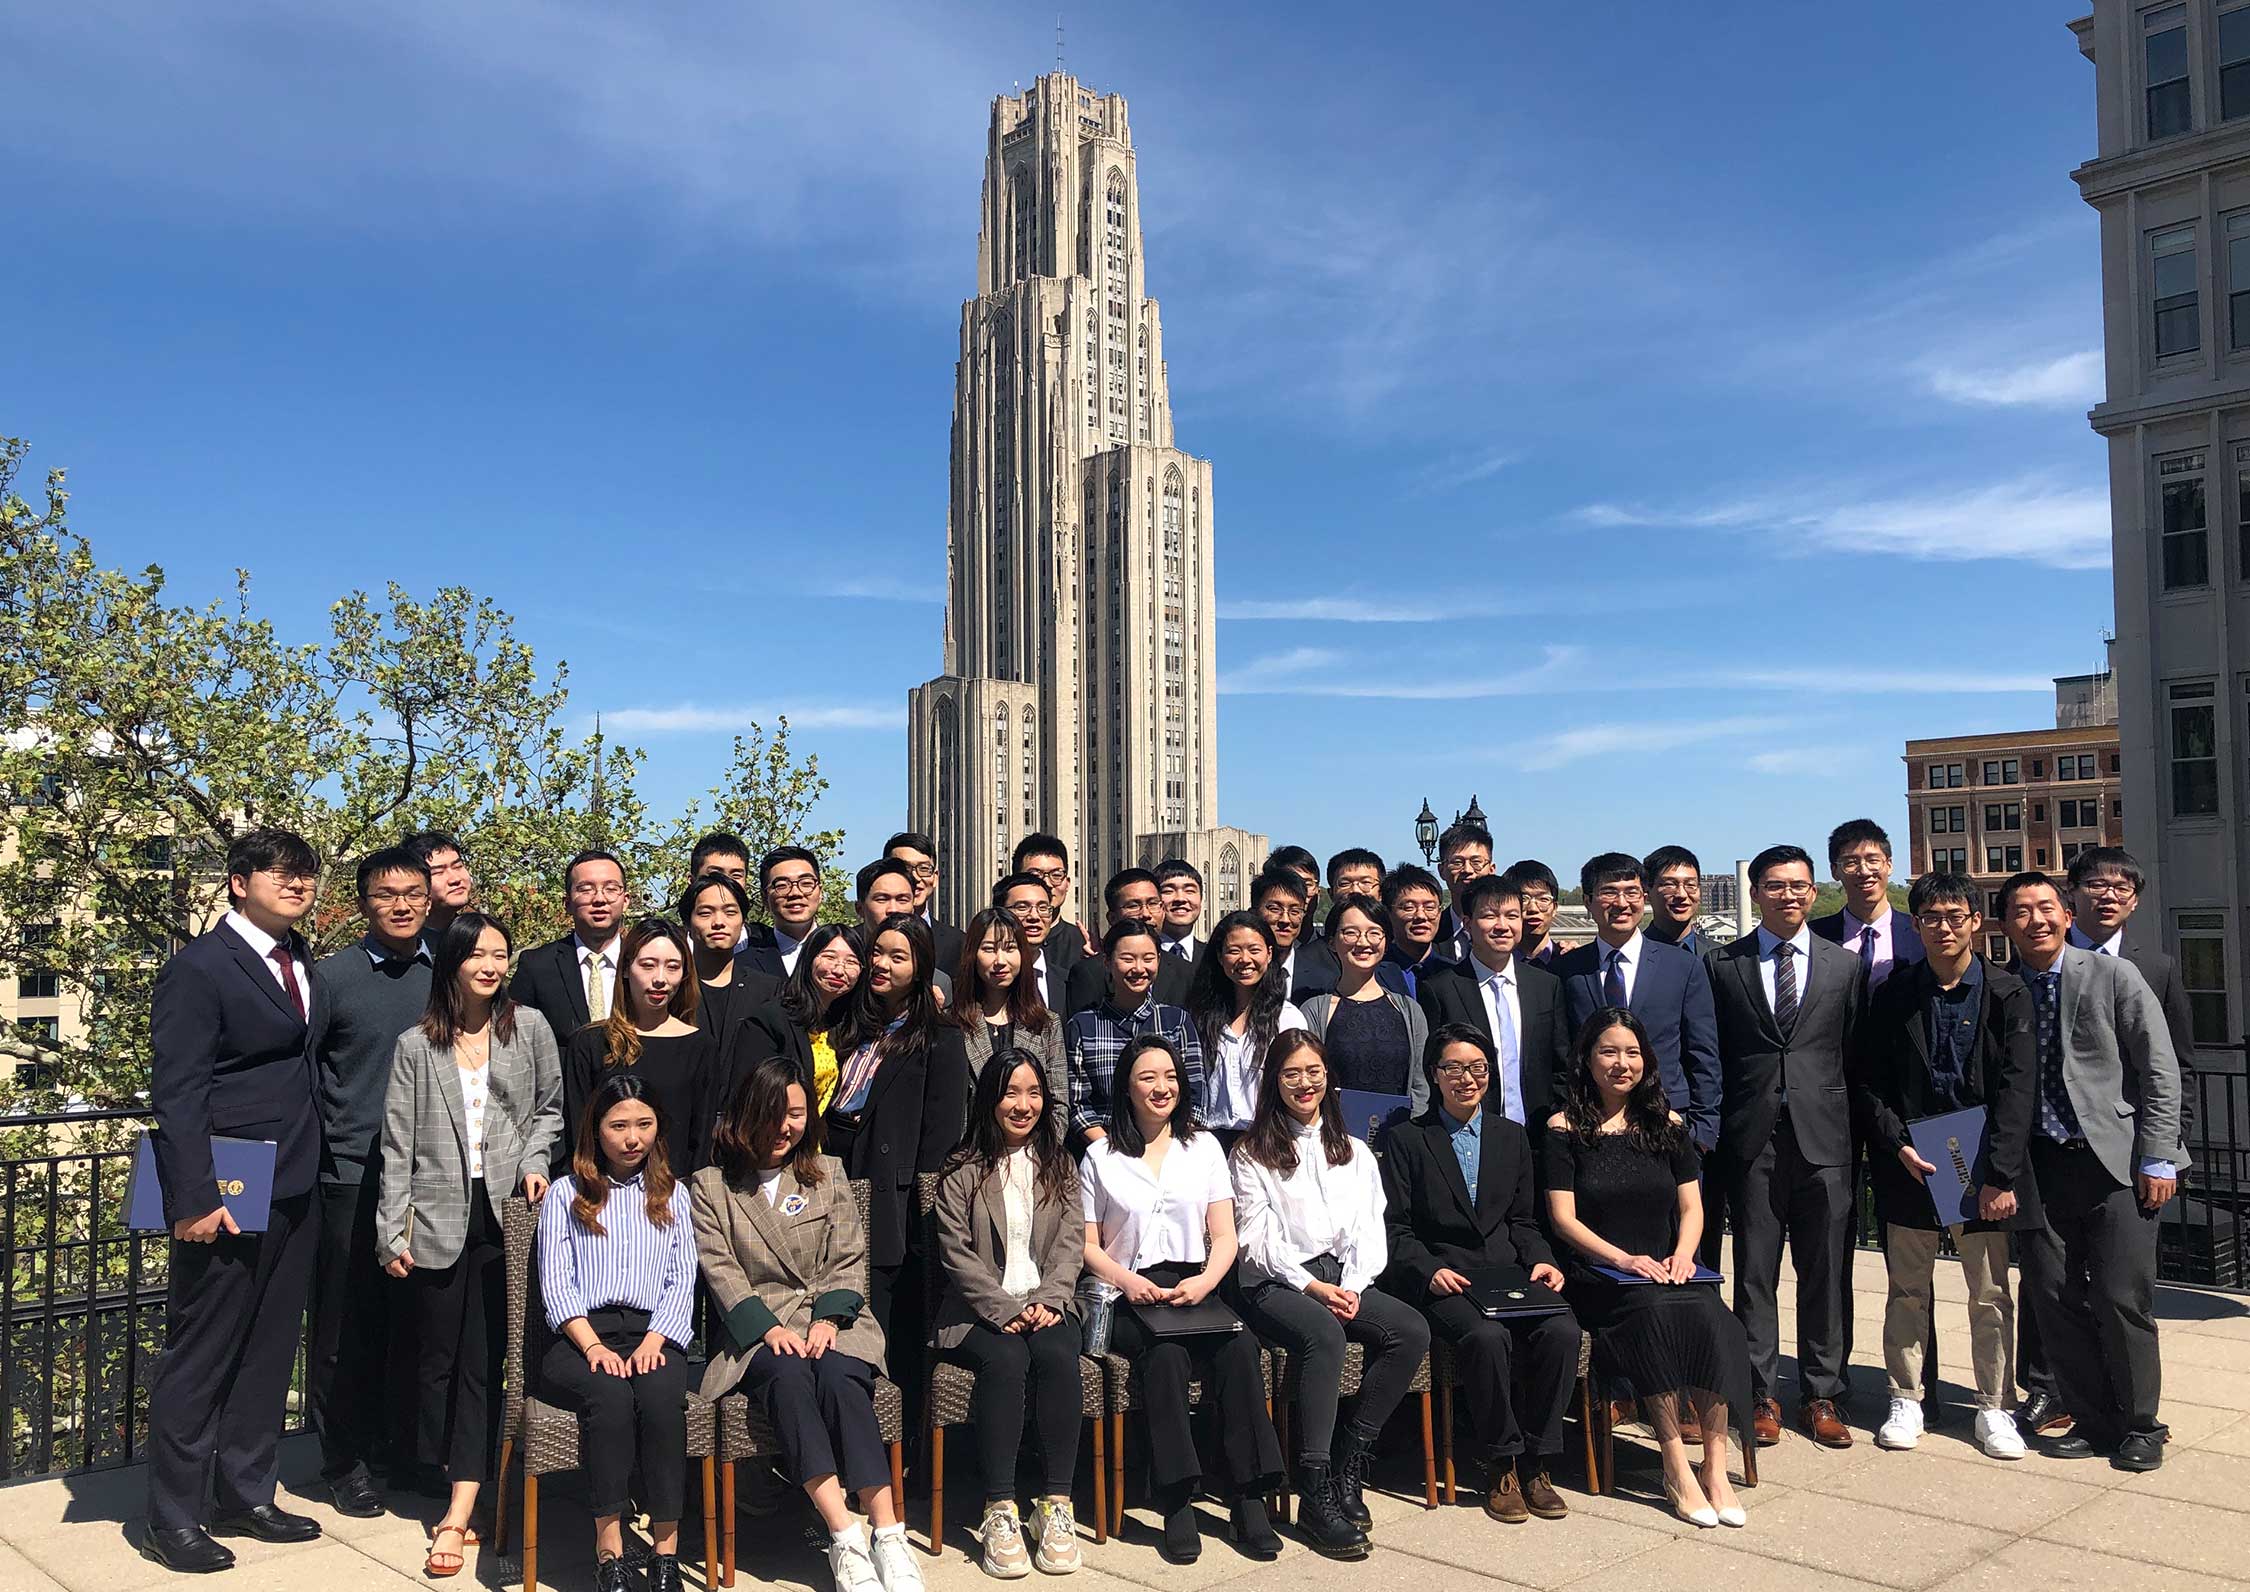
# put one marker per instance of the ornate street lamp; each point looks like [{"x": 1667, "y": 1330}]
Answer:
[
  {"x": 1425, "y": 833},
  {"x": 1475, "y": 814}
]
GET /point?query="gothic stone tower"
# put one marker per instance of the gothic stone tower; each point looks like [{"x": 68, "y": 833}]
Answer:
[{"x": 1079, "y": 695}]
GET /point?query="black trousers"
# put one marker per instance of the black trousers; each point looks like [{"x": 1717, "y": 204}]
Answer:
[
  {"x": 232, "y": 1314},
  {"x": 624, "y": 1422},
  {"x": 1009, "y": 1365},
  {"x": 2091, "y": 1278},
  {"x": 356, "y": 1327},
  {"x": 1395, "y": 1336},
  {"x": 1234, "y": 1387},
  {"x": 461, "y": 1317},
  {"x": 1516, "y": 1373},
  {"x": 823, "y": 1415},
  {"x": 1780, "y": 1197}
]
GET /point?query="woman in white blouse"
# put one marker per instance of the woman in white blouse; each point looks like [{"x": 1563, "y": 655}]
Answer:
[
  {"x": 1310, "y": 1200},
  {"x": 1239, "y": 1003},
  {"x": 1160, "y": 1235}
]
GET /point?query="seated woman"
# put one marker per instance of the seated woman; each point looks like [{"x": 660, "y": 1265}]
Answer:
[
  {"x": 650, "y": 1030},
  {"x": 1011, "y": 1240},
  {"x": 1308, "y": 1199},
  {"x": 1622, "y": 1192},
  {"x": 617, "y": 1277},
  {"x": 797, "y": 1022},
  {"x": 997, "y": 1002},
  {"x": 1160, "y": 1233},
  {"x": 1374, "y": 1036},
  {"x": 783, "y": 1251}
]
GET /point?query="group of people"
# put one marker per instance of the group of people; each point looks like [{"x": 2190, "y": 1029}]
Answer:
[{"x": 1142, "y": 1149}]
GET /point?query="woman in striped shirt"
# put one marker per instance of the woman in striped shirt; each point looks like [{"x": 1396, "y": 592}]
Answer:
[{"x": 617, "y": 1276}]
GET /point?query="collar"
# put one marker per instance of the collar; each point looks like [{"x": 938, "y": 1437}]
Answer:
[
  {"x": 1630, "y": 950},
  {"x": 1303, "y": 1130},
  {"x": 1767, "y": 940},
  {"x": 259, "y": 940},
  {"x": 1168, "y": 942},
  {"x": 2113, "y": 946},
  {"x": 378, "y": 956},
  {"x": 583, "y": 950},
  {"x": 1455, "y": 1127},
  {"x": 625, "y": 1182},
  {"x": 784, "y": 942},
  {"x": 1495, "y": 975},
  {"x": 1123, "y": 1014}
]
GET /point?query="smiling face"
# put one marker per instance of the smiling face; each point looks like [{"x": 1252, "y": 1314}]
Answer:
[
  {"x": 924, "y": 868},
  {"x": 1496, "y": 930},
  {"x": 1360, "y": 940},
  {"x": 2036, "y": 922},
  {"x": 1617, "y": 909},
  {"x": 1303, "y": 1080},
  {"x": 1030, "y": 905},
  {"x": 396, "y": 905},
  {"x": 1616, "y": 1064},
  {"x": 998, "y": 959},
  {"x": 1245, "y": 956},
  {"x": 890, "y": 965},
  {"x": 792, "y": 892},
  {"x": 1865, "y": 873},
  {"x": 1414, "y": 919},
  {"x": 1785, "y": 896},
  {"x": 836, "y": 968},
  {"x": 1022, "y": 1106},
  {"x": 1285, "y": 915},
  {"x": 1181, "y": 900},
  {"x": 1679, "y": 892},
  {"x": 789, "y": 1132},
  {"x": 653, "y": 977},
  {"x": 1357, "y": 878},
  {"x": 1463, "y": 1077},
  {"x": 628, "y": 1130},
  {"x": 1132, "y": 969},
  {"x": 1152, "y": 1089},
  {"x": 484, "y": 968},
  {"x": 597, "y": 899},
  {"x": 715, "y": 919}
]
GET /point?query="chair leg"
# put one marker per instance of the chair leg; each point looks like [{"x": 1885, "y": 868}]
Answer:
[
  {"x": 710, "y": 1521},
  {"x": 726, "y": 1524},
  {"x": 1278, "y": 1410},
  {"x": 937, "y": 1490},
  {"x": 1117, "y": 1473},
  {"x": 1586, "y": 1428},
  {"x": 1445, "y": 1435},
  {"x": 1750, "y": 1461},
  {"x": 500, "y": 1496},
  {"x": 530, "y": 1530},
  {"x": 1429, "y": 1456},
  {"x": 1101, "y": 1481},
  {"x": 1609, "y": 1450}
]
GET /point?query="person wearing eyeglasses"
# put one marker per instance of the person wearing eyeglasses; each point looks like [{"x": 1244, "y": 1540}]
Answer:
[
  {"x": 1518, "y": 1008},
  {"x": 1538, "y": 888},
  {"x": 1790, "y": 1006},
  {"x": 919, "y": 853},
  {"x": 1373, "y": 1037},
  {"x": 1132, "y": 893},
  {"x": 571, "y": 981},
  {"x": 1308, "y": 967},
  {"x": 1464, "y": 855},
  {"x": 1867, "y": 925},
  {"x": 1411, "y": 898},
  {"x": 789, "y": 886},
  {"x": 1047, "y": 859},
  {"x": 1354, "y": 871},
  {"x": 1675, "y": 893},
  {"x": 1028, "y": 899}
]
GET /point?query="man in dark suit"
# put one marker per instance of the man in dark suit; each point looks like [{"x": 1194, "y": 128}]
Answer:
[
  {"x": 1517, "y": 1007},
  {"x": 1130, "y": 893},
  {"x": 1179, "y": 899},
  {"x": 1540, "y": 890},
  {"x": 1411, "y": 898},
  {"x": 1662, "y": 985},
  {"x": 789, "y": 885},
  {"x": 1024, "y": 897},
  {"x": 1047, "y": 857},
  {"x": 1675, "y": 893},
  {"x": 1789, "y": 1006},
  {"x": 1458, "y": 1201},
  {"x": 572, "y": 981},
  {"x": 1308, "y": 966},
  {"x": 919, "y": 853},
  {"x": 230, "y": 1027},
  {"x": 1464, "y": 852}
]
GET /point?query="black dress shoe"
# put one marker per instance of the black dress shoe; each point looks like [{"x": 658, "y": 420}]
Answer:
[
  {"x": 2039, "y": 1413},
  {"x": 2071, "y": 1447},
  {"x": 356, "y": 1495},
  {"x": 611, "y": 1576},
  {"x": 664, "y": 1573},
  {"x": 2141, "y": 1451},
  {"x": 187, "y": 1549},
  {"x": 268, "y": 1524}
]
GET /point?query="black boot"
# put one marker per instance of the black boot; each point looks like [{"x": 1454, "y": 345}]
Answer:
[
  {"x": 1319, "y": 1521},
  {"x": 1254, "y": 1536},
  {"x": 1183, "y": 1538},
  {"x": 1353, "y": 1455}
]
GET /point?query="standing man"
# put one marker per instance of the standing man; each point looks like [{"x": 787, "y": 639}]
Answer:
[
  {"x": 1354, "y": 871},
  {"x": 1179, "y": 893},
  {"x": 1675, "y": 888},
  {"x": 1024, "y": 897},
  {"x": 230, "y": 1029},
  {"x": 1308, "y": 966},
  {"x": 1131, "y": 893},
  {"x": 1049, "y": 858},
  {"x": 884, "y": 889},
  {"x": 451, "y": 886},
  {"x": 1662, "y": 985},
  {"x": 1789, "y": 1008},
  {"x": 720, "y": 852},
  {"x": 1410, "y": 896},
  {"x": 371, "y": 993},
  {"x": 2105, "y": 1152},
  {"x": 571, "y": 981},
  {"x": 1868, "y": 926},
  {"x": 1539, "y": 887},
  {"x": 789, "y": 885},
  {"x": 1516, "y": 1006},
  {"x": 919, "y": 853},
  {"x": 1464, "y": 852}
]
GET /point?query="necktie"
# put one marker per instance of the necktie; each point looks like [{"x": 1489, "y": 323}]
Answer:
[
  {"x": 1785, "y": 987},
  {"x": 1867, "y": 947},
  {"x": 1511, "y": 1100},
  {"x": 597, "y": 987},
  {"x": 1613, "y": 984},
  {"x": 287, "y": 963},
  {"x": 2060, "y": 1116}
]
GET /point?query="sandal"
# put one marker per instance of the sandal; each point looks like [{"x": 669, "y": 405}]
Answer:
[{"x": 438, "y": 1565}]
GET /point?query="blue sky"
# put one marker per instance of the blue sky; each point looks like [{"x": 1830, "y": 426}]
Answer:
[{"x": 1605, "y": 402}]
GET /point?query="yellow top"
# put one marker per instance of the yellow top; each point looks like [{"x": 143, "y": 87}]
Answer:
[{"x": 824, "y": 1071}]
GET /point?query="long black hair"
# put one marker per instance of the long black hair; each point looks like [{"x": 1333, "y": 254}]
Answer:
[
  {"x": 1025, "y": 1009},
  {"x": 590, "y": 1173},
  {"x": 1124, "y": 1126},
  {"x": 984, "y": 1144},
  {"x": 865, "y": 1020},
  {"x": 801, "y": 999},
  {"x": 1210, "y": 997},
  {"x": 1272, "y": 1139},
  {"x": 441, "y": 1019},
  {"x": 1648, "y": 1115}
]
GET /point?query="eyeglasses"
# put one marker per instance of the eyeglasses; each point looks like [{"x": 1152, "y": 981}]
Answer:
[
  {"x": 597, "y": 892},
  {"x": 1682, "y": 887},
  {"x": 794, "y": 885},
  {"x": 1537, "y": 898},
  {"x": 1031, "y": 909},
  {"x": 1466, "y": 867},
  {"x": 1360, "y": 936},
  {"x": 393, "y": 898},
  {"x": 1050, "y": 877},
  {"x": 1298, "y": 1077},
  {"x": 1464, "y": 1071},
  {"x": 1786, "y": 887},
  {"x": 922, "y": 870},
  {"x": 1618, "y": 895},
  {"x": 2118, "y": 889},
  {"x": 1284, "y": 914},
  {"x": 290, "y": 878},
  {"x": 1946, "y": 920}
]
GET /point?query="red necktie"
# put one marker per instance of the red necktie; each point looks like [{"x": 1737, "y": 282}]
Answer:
[{"x": 288, "y": 965}]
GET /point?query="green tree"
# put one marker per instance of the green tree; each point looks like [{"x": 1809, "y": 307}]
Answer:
[{"x": 767, "y": 798}]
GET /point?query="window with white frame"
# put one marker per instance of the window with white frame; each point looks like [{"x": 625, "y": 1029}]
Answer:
[
  {"x": 2186, "y": 547},
  {"x": 2177, "y": 323},
  {"x": 2194, "y": 748},
  {"x": 2164, "y": 65}
]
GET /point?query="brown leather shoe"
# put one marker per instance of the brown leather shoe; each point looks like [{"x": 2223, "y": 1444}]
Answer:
[
  {"x": 1623, "y": 1412},
  {"x": 1691, "y": 1428},
  {"x": 1765, "y": 1422},
  {"x": 1820, "y": 1422},
  {"x": 1539, "y": 1495},
  {"x": 1503, "y": 1499}
]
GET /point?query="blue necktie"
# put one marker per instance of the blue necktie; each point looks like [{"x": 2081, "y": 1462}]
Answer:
[{"x": 1613, "y": 984}]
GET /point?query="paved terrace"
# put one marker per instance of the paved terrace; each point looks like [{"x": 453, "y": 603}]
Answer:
[{"x": 1941, "y": 1517}]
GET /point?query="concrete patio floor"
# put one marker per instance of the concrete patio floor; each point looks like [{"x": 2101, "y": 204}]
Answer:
[{"x": 1941, "y": 1517}]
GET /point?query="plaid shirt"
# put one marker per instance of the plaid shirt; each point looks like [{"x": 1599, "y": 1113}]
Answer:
[{"x": 1094, "y": 1041}]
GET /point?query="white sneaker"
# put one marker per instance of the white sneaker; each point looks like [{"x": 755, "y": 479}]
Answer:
[
  {"x": 1002, "y": 1536},
  {"x": 1997, "y": 1435},
  {"x": 1903, "y": 1429},
  {"x": 895, "y": 1569},
  {"x": 851, "y": 1565},
  {"x": 1058, "y": 1552}
]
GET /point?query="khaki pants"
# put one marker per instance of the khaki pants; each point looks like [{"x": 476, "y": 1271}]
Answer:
[{"x": 1992, "y": 1313}]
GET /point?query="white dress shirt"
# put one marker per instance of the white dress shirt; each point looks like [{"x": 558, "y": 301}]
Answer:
[
  {"x": 788, "y": 949},
  {"x": 1628, "y": 964},
  {"x": 1039, "y": 975},
  {"x": 608, "y": 955},
  {"x": 263, "y": 943},
  {"x": 1230, "y": 1084},
  {"x": 1319, "y": 1209},
  {"x": 2113, "y": 946},
  {"x": 1145, "y": 1218},
  {"x": 1019, "y": 1195},
  {"x": 1498, "y": 987},
  {"x": 1803, "y": 942},
  {"x": 1182, "y": 947}
]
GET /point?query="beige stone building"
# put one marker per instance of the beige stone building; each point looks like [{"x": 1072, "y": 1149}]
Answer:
[{"x": 1080, "y": 694}]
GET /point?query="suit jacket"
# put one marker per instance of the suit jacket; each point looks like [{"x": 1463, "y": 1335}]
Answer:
[
  {"x": 1891, "y": 1088},
  {"x": 2163, "y": 975},
  {"x": 1089, "y": 984},
  {"x": 231, "y": 1057},
  {"x": 426, "y": 1139},
  {"x": 1548, "y": 954},
  {"x": 1452, "y": 937},
  {"x": 1069, "y": 944},
  {"x": 2118, "y": 1063},
  {"x": 1672, "y": 998},
  {"x": 915, "y": 1111},
  {"x": 1318, "y": 1010},
  {"x": 768, "y": 1267},
  {"x": 1906, "y": 939},
  {"x": 1451, "y": 995},
  {"x": 760, "y": 953},
  {"x": 1428, "y": 1217},
  {"x": 1315, "y": 970},
  {"x": 947, "y": 940},
  {"x": 548, "y": 980},
  {"x": 1814, "y": 1060},
  {"x": 972, "y": 1243}
]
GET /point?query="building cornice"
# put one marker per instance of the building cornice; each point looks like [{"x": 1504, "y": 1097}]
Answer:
[{"x": 2174, "y": 160}]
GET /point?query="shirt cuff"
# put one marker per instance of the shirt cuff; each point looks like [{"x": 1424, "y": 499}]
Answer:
[
  {"x": 748, "y": 1322},
  {"x": 839, "y": 1305},
  {"x": 2153, "y": 1166}
]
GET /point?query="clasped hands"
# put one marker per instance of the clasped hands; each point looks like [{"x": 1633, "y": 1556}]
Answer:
[
  {"x": 1031, "y": 1318},
  {"x": 606, "y": 1361},
  {"x": 1993, "y": 1204},
  {"x": 1139, "y": 1290},
  {"x": 815, "y": 1343}
]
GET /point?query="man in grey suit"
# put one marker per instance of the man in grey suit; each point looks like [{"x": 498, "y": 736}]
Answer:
[
  {"x": 2105, "y": 1152},
  {"x": 1789, "y": 1006}
]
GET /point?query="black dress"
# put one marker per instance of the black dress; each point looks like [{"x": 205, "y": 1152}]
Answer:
[
  {"x": 681, "y": 1071},
  {"x": 1660, "y": 1338},
  {"x": 1366, "y": 1046}
]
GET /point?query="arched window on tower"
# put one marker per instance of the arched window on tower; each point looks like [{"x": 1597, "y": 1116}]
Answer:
[
  {"x": 1001, "y": 722},
  {"x": 1230, "y": 879},
  {"x": 1030, "y": 756},
  {"x": 1023, "y": 221}
]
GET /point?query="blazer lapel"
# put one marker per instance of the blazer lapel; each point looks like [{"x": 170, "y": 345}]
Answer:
[
  {"x": 574, "y": 980},
  {"x": 449, "y": 1088},
  {"x": 1491, "y": 1203},
  {"x": 1440, "y": 1135},
  {"x": 1754, "y": 987},
  {"x": 767, "y": 1220},
  {"x": 261, "y": 974}
]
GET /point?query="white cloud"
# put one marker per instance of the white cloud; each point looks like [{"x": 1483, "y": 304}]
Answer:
[
  {"x": 1887, "y": 682},
  {"x": 1816, "y": 762},
  {"x": 1334, "y": 610},
  {"x": 691, "y": 717},
  {"x": 1465, "y": 469},
  {"x": 2069, "y": 381},
  {"x": 1322, "y": 672},
  {"x": 2028, "y": 518},
  {"x": 879, "y": 588},
  {"x": 1636, "y": 740}
]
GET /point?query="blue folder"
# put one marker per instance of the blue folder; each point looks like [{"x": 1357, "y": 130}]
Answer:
[
  {"x": 1367, "y": 1113},
  {"x": 1954, "y": 1144},
  {"x": 1620, "y": 1274},
  {"x": 244, "y": 1168}
]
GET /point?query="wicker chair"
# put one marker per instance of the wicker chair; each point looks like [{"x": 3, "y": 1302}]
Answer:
[
  {"x": 744, "y": 1432},
  {"x": 1285, "y": 1376},
  {"x": 947, "y": 1399},
  {"x": 546, "y": 1435}
]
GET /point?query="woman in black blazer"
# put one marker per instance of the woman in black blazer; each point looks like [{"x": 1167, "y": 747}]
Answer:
[{"x": 796, "y": 1023}]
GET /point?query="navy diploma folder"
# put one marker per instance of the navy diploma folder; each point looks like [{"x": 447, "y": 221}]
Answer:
[
  {"x": 1954, "y": 1144},
  {"x": 1620, "y": 1274},
  {"x": 245, "y": 1172},
  {"x": 1367, "y": 1113}
]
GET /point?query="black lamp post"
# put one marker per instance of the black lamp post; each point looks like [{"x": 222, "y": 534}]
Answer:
[{"x": 1425, "y": 833}]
